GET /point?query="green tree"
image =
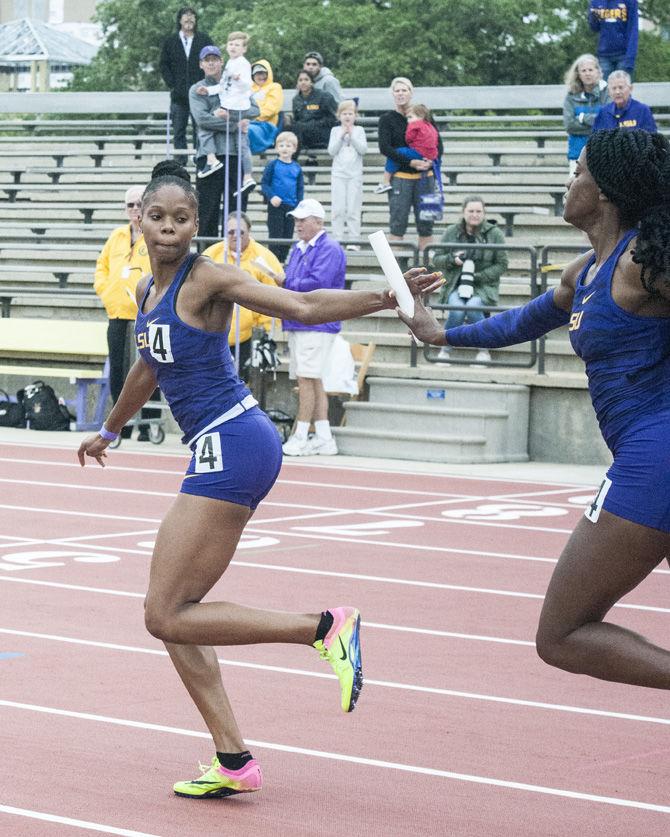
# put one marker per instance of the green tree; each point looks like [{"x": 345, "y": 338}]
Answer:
[
  {"x": 367, "y": 42},
  {"x": 133, "y": 32}
]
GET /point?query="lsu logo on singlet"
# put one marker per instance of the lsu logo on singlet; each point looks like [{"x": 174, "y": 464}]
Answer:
[
  {"x": 575, "y": 320},
  {"x": 156, "y": 338}
]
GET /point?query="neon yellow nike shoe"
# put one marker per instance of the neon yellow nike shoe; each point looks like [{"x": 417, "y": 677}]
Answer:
[
  {"x": 217, "y": 781},
  {"x": 341, "y": 647}
]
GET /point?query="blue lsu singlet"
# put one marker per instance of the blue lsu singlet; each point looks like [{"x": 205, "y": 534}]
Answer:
[
  {"x": 627, "y": 359},
  {"x": 627, "y": 356},
  {"x": 194, "y": 368}
]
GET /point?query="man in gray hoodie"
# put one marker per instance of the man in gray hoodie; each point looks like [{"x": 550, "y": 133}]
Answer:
[{"x": 322, "y": 77}]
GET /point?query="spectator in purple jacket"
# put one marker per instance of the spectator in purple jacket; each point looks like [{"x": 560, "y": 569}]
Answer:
[
  {"x": 316, "y": 261},
  {"x": 616, "y": 22},
  {"x": 623, "y": 111}
]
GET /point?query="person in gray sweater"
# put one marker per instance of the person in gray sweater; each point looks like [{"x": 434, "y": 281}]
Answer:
[{"x": 322, "y": 77}]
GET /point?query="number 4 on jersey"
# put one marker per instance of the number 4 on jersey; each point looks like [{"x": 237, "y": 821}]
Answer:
[
  {"x": 208, "y": 454},
  {"x": 159, "y": 342}
]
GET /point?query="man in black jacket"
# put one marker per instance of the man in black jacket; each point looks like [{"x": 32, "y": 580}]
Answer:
[{"x": 180, "y": 68}]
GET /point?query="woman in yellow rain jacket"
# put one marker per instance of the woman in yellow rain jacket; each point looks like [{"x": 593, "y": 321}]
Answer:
[{"x": 121, "y": 264}]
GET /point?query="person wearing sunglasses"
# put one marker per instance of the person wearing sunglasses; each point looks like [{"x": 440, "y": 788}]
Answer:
[{"x": 122, "y": 262}]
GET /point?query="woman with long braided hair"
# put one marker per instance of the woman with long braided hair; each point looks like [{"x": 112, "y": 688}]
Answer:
[{"x": 615, "y": 300}]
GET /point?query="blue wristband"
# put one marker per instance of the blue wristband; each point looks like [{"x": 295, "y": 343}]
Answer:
[
  {"x": 107, "y": 435},
  {"x": 517, "y": 325}
]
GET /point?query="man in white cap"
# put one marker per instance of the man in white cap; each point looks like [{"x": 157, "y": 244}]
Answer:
[{"x": 315, "y": 261}]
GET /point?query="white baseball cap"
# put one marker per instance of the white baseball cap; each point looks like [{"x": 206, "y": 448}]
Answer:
[{"x": 308, "y": 208}]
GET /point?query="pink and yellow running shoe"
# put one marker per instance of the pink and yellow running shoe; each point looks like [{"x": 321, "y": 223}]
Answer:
[
  {"x": 341, "y": 647},
  {"x": 217, "y": 781}
]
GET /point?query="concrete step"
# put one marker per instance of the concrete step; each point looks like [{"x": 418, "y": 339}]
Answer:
[
  {"x": 454, "y": 418},
  {"x": 412, "y": 446},
  {"x": 353, "y": 442},
  {"x": 456, "y": 395}
]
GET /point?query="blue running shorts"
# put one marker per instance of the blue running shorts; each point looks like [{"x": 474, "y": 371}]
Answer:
[
  {"x": 238, "y": 461},
  {"x": 640, "y": 475}
]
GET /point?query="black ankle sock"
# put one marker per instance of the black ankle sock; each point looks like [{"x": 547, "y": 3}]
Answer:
[
  {"x": 234, "y": 761},
  {"x": 325, "y": 625}
]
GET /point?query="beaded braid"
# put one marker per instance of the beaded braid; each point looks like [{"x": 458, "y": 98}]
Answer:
[
  {"x": 170, "y": 173},
  {"x": 632, "y": 170}
]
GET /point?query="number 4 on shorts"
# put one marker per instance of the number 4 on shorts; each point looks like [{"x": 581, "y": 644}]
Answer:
[{"x": 208, "y": 454}]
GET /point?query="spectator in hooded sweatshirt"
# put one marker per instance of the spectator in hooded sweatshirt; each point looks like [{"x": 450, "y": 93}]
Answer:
[
  {"x": 616, "y": 22},
  {"x": 322, "y": 77},
  {"x": 623, "y": 111},
  {"x": 269, "y": 98}
]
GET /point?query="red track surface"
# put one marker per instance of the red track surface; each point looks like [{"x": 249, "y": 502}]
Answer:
[{"x": 460, "y": 730}]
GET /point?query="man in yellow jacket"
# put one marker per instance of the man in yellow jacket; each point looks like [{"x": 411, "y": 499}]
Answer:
[
  {"x": 260, "y": 263},
  {"x": 120, "y": 266}
]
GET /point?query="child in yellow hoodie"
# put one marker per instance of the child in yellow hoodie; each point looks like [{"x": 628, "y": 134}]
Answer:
[{"x": 269, "y": 98}]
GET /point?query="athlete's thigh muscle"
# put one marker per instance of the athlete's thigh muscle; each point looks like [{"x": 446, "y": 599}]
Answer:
[
  {"x": 601, "y": 563},
  {"x": 195, "y": 544}
]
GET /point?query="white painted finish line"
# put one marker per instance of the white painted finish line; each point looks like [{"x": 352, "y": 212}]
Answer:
[
  {"x": 88, "y": 826},
  {"x": 378, "y": 763}
]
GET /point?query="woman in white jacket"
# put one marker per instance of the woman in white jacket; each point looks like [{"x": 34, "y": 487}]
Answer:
[{"x": 347, "y": 146}]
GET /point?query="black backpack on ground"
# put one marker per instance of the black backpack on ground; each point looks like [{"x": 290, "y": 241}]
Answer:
[
  {"x": 11, "y": 413},
  {"x": 42, "y": 408}
]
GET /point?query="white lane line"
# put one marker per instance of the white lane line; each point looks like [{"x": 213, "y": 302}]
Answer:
[
  {"x": 385, "y": 684},
  {"x": 82, "y": 540},
  {"x": 280, "y": 481},
  {"x": 388, "y": 510},
  {"x": 88, "y": 826},
  {"x": 378, "y": 763},
  {"x": 457, "y": 588},
  {"x": 360, "y": 511},
  {"x": 496, "y": 524},
  {"x": 136, "y": 533},
  {"x": 171, "y": 494},
  {"x": 315, "y": 465},
  {"x": 315, "y": 535},
  {"x": 59, "y": 585},
  {"x": 112, "y": 467},
  {"x": 70, "y": 513},
  {"x": 584, "y": 489}
]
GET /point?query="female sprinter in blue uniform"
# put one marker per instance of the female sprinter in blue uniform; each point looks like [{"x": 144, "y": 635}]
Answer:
[
  {"x": 616, "y": 302},
  {"x": 181, "y": 331}
]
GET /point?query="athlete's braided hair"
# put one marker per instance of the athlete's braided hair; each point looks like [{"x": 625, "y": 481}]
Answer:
[
  {"x": 170, "y": 173},
  {"x": 632, "y": 170}
]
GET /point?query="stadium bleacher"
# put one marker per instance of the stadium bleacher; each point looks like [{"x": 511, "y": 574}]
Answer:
[{"x": 62, "y": 184}]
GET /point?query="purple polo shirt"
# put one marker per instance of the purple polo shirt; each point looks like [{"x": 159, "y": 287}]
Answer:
[{"x": 322, "y": 264}]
